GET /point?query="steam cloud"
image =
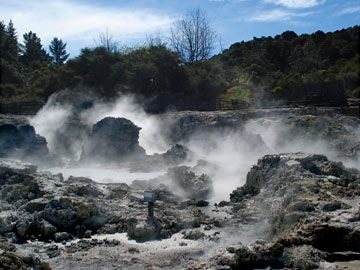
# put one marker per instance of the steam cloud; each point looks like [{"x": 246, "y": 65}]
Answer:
[
  {"x": 230, "y": 153},
  {"x": 50, "y": 120},
  {"x": 53, "y": 118},
  {"x": 233, "y": 152},
  {"x": 150, "y": 138}
]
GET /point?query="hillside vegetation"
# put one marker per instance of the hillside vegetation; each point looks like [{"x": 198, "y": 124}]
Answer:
[{"x": 285, "y": 67}]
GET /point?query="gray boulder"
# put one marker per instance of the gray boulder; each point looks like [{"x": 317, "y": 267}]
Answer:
[
  {"x": 192, "y": 186},
  {"x": 176, "y": 154},
  {"x": 23, "y": 226},
  {"x": 19, "y": 140},
  {"x": 4, "y": 226},
  {"x": 143, "y": 229},
  {"x": 112, "y": 140},
  {"x": 172, "y": 157},
  {"x": 47, "y": 230},
  {"x": 62, "y": 236}
]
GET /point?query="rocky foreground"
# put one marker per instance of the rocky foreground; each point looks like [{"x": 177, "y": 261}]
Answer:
[
  {"x": 303, "y": 207},
  {"x": 312, "y": 207},
  {"x": 295, "y": 210}
]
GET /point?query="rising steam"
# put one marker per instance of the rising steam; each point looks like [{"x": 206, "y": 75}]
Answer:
[
  {"x": 54, "y": 118},
  {"x": 50, "y": 120},
  {"x": 150, "y": 137},
  {"x": 229, "y": 153}
]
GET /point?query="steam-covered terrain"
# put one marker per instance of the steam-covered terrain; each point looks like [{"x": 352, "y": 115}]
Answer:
[{"x": 246, "y": 189}]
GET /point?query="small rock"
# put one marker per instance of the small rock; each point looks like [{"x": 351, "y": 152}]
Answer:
[
  {"x": 330, "y": 207},
  {"x": 133, "y": 250},
  {"x": 88, "y": 234},
  {"x": 223, "y": 203},
  {"x": 194, "y": 235},
  {"x": 6, "y": 246},
  {"x": 202, "y": 203},
  {"x": 62, "y": 236}
]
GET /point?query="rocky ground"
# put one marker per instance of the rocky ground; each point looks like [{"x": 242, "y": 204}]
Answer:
[
  {"x": 41, "y": 212},
  {"x": 296, "y": 210},
  {"x": 311, "y": 205},
  {"x": 305, "y": 208}
]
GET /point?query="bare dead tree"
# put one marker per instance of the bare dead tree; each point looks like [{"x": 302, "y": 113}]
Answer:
[
  {"x": 193, "y": 37},
  {"x": 221, "y": 45},
  {"x": 105, "y": 40},
  {"x": 155, "y": 39}
]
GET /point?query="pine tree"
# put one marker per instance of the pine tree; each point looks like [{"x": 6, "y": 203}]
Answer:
[
  {"x": 2, "y": 39},
  {"x": 57, "y": 51},
  {"x": 10, "y": 73},
  {"x": 33, "y": 54},
  {"x": 11, "y": 43}
]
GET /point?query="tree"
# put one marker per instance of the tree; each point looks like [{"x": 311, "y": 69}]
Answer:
[
  {"x": 10, "y": 74},
  {"x": 97, "y": 68},
  {"x": 57, "y": 51},
  {"x": 11, "y": 43},
  {"x": 155, "y": 70},
  {"x": 33, "y": 54},
  {"x": 105, "y": 40},
  {"x": 154, "y": 39},
  {"x": 193, "y": 37}
]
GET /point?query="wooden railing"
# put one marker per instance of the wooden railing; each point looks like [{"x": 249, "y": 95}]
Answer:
[
  {"x": 193, "y": 103},
  {"x": 21, "y": 108}
]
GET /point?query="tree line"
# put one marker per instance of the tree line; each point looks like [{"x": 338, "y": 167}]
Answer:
[
  {"x": 28, "y": 71},
  {"x": 281, "y": 67},
  {"x": 266, "y": 67}
]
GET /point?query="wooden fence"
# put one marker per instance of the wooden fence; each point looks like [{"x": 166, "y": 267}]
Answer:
[
  {"x": 20, "y": 108},
  {"x": 193, "y": 103},
  {"x": 160, "y": 104}
]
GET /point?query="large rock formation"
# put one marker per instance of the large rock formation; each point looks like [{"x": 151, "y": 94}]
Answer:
[
  {"x": 175, "y": 156},
  {"x": 19, "y": 140},
  {"x": 322, "y": 130},
  {"x": 335, "y": 134},
  {"x": 309, "y": 207},
  {"x": 112, "y": 140}
]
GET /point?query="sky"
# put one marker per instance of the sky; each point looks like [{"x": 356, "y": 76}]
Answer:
[{"x": 79, "y": 23}]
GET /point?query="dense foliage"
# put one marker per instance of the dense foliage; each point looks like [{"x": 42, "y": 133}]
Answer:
[
  {"x": 279, "y": 67},
  {"x": 283, "y": 66},
  {"x": 27, "y": 70}
]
